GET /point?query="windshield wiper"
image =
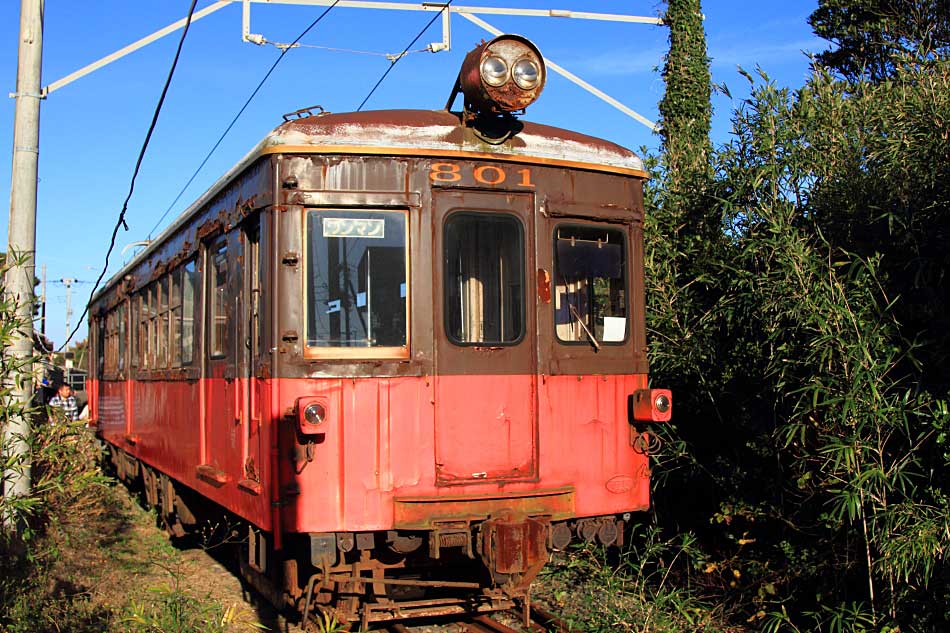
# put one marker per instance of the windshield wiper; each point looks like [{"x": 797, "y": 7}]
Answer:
[{"x": 580, "y": 321}]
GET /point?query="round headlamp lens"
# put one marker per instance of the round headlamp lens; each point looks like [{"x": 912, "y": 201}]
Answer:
[
  {"x": 315, "y": 413},
  {"x": 662, "y": 403},
  {"x": 494, "y": 71},
  {"x": 526, "y": 74}
]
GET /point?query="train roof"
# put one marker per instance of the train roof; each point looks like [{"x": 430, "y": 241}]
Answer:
[
  {"x": 412, "y": 133},
  {"x": 439, "y": 132}
]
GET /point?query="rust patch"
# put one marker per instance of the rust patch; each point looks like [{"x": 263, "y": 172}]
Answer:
[
  {"x": 208, "y": 228},
  {"x": 620, "y": 484},
  {"x": 424, "y": 512}
]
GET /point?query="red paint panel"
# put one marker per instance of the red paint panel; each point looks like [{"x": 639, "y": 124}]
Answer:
[
  {"x": 382, "y": 439},
  {"x": 166, "y": 427},
  {"x": 486, "y": 429}
]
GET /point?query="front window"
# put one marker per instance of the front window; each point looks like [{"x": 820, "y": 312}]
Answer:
[
  {"x": 590, "y": 302},
  {"x": 356, "y": 279},
  {"x": 484, "y": 279}
]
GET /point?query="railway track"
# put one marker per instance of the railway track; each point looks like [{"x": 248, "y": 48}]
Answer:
[{"x": 541, "y": 621}]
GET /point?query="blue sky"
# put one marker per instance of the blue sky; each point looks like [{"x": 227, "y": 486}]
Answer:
[{"x": 91, "y": 130}]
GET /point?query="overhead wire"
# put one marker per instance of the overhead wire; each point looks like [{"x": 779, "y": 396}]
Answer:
[
  {"x": 260, "y": 84},
  {"x": 352, "y": 51},
  {"x": 120, "y": 222},
  {"x": 404, "y": 52}
]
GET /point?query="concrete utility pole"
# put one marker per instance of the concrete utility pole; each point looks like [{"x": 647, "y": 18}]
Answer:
[
  {"x": 69, "y": 306},
  {"x": 22, "y": 234}
]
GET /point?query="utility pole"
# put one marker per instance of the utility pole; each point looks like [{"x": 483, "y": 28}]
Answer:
[
  {"x": 22, "y": 240},
  {"x": 69, "y": 310}
]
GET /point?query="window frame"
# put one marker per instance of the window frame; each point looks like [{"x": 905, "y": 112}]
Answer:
[
  {"x": 625, "y": 252},
  {"x": 195, "y": 283},
  {"x": 401, "y": 352},
  {"x": 218, "y": 245},
  {"x": 522, "y": 242}
]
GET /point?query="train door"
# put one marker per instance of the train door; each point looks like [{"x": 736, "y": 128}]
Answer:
[
  {"x": 486, "y": 427},
  {"x": 222, "y": 446},
  {"x": 249, "y": 356}
]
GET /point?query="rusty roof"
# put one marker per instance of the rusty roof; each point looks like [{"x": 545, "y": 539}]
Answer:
[{"x": 438, "y": 131}]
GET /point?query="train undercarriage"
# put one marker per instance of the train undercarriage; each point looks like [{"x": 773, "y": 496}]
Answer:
[{"x": 465, "y": 567}]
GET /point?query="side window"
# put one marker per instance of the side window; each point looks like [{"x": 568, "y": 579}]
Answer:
[
  {"x": 590, "y": 298},
  {"x": 100, "y": 347},
  {"x": 484, "y": 279},
  {"x": 161, "y": 355},
  {"x": 134, "y": 332},
  {"x": 189, "y": 281},
  {"x": 356, "y": 279},
  {"x": 109, "y": 364},
  {"x": 174, "y": 316},
  {"x": 145, "y": 340},
  {"x": 217, "y": 300},
  {"x": 121, "y": 333},
  {"x": 153, "y": 349}
]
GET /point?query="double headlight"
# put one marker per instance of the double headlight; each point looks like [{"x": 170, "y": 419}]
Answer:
[
  {"x": 526, "y": 73},
  {"x": 503, "y": 75}
]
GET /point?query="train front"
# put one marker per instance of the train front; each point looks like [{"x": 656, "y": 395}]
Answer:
[{"x": 461, "y": 372}]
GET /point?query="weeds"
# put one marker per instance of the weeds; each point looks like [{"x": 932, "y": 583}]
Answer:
[
  {"x": 169, "y": 608},
  {"x": 644, "y": 589}
]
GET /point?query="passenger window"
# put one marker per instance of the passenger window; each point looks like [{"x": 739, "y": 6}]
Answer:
[
  {"x": 153, "y": 359},
  {"x": 134, "y": 325},
  {"x": 174, "y": 321},
  {"x": 484, "y": 279},
  {"x": 189, "y": 282},
  {"x": 218, "y": 294},
  {"x": 145, "y": 341},
  {"x": 162, "y": 324},
  {"x": 356, "y": 279},
  {"x": 590, "y": 302},
  {"x": 121, "y": 333}
]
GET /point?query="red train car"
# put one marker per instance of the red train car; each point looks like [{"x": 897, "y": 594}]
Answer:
[{"x": 405, "y": 348}]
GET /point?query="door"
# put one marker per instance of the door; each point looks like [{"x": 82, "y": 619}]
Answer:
[
  {"x": 223, "y": 441},
  {"x": 486, "y": 426},
  {"x": 249, "y": 355}
]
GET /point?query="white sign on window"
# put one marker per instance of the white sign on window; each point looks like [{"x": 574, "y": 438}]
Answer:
[
  {"x": 614, "y": 329},
  {"x": 354, "y": 227}
]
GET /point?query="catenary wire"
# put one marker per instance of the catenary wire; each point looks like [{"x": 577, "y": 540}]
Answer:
[
  {"x": 238, "y": 115},
  {"x": 120, "y": 222},
  {"x": 404, "y": 52}
]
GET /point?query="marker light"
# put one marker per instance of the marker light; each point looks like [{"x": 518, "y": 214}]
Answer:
[
  {"x": 312, "y": 415},
  {"x": 315, "y": 413},
  {"x": 651, "y": 405},
  {"x": 504, "y": 75}
]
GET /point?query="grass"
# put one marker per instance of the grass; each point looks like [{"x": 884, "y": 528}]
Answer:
[
  {"x": 645, "y": 588},
  {"x": 96, "y": 562}
]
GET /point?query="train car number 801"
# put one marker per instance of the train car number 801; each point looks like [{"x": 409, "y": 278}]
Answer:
[{"x": 483, "y": 174}]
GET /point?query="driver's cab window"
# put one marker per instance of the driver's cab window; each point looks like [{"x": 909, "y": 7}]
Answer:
[
  {"x": 590, "y": 295},
  {"x": 484, "y": 279}
]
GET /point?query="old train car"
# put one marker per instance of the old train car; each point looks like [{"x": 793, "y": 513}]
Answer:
[{"x": 405, "y": 348}]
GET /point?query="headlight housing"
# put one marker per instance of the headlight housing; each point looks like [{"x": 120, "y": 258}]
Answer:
[{"x": 506, "y": 74}]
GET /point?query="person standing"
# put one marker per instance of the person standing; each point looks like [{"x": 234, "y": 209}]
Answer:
[{"x": 66, "y": 401}]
